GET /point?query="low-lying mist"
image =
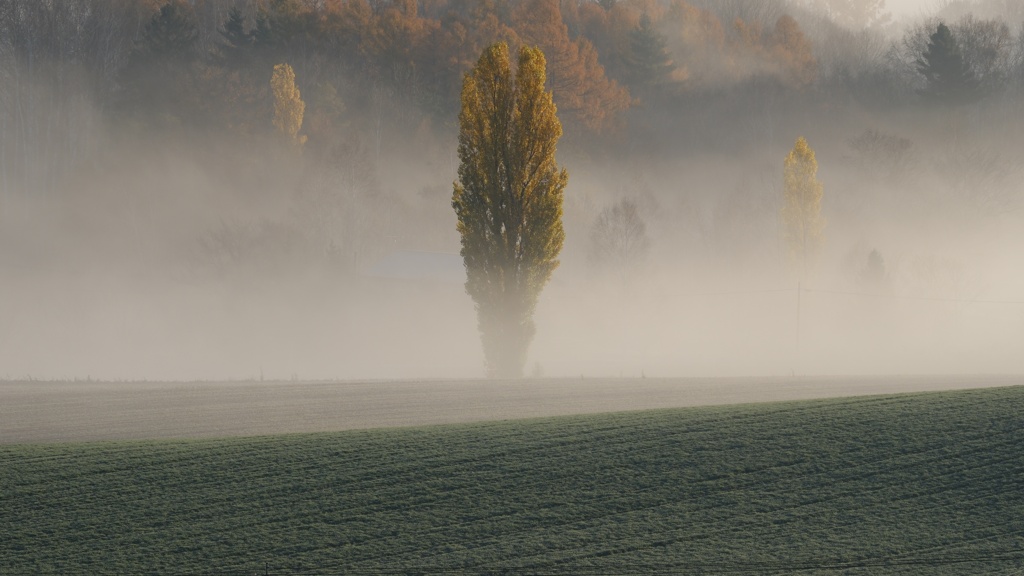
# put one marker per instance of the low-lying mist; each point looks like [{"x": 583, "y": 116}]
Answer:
[
  {"x": 139, "y": 246},
  {"x": 192, "y": 283}
]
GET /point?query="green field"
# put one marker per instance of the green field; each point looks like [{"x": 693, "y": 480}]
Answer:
[{"x": 909, "y": 484}]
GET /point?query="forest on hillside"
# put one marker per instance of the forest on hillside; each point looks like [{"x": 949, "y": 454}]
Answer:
[{"x": 138, "y": 137}]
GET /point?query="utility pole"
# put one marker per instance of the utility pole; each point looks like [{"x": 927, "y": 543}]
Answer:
[{"x": 796, "y": 362}]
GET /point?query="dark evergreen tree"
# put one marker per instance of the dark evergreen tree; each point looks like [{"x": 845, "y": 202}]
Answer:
[
  {"x": 234, "y": 50},
  {"x": 171, "y": 34},
  {"x": 949, "y": 78},
  {"x": 281, "y": 23},
  {"x": 160, "y": 79},
  {"x": 649, "y": 61},
  {"x": 263, "y": 34}
]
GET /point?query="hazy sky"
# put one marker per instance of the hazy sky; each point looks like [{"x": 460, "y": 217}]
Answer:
[
  {"x": 909, "y": 7},
  {"x": 904, "y": 6}
]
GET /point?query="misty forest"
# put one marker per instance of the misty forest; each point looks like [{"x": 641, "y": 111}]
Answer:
[{"x": 239, "y": 189}]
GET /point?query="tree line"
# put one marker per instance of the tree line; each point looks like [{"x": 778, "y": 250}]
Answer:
[{"x": 208, "y": 63}]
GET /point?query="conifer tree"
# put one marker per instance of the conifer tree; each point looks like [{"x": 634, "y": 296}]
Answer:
[
  {"x": 263, "y": 34},
  {"x": 171, "y": 34},
  {"x": 160, "y": 77},
  {"x": 650, "y": 63},
  {"x": 288, "y": 105},
  {"x": 508, "y": 199},
  {"x": 803, "y": 224},
  {"x": 237, "y": 42},
  {"x": 949, "y": 78}
]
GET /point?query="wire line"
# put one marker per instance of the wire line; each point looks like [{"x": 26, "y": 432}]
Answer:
[{"x": 928, "y": 298}]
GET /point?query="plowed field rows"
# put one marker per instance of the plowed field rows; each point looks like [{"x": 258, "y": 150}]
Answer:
[{"x": 907, "y": 484}]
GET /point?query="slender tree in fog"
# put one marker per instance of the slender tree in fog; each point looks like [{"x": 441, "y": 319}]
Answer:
[
  {"x": 803, "y": 225},
  {"x": 288, "y": 104},
  {"x": 508, "y": 199},
  {"x": 619, "y": 239}
]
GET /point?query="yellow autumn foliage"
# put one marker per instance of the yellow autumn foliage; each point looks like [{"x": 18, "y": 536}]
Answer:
[
  {"x": 803, "y": 224},
  {"x": 288, "y": 105}
]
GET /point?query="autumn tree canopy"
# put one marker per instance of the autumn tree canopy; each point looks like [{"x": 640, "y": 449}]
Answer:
[
  {"x": 508, "y": 199},
  {"x": 576, "y": 76}
]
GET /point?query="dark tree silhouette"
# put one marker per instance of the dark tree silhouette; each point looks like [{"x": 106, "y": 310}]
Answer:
[
  {"x": 160, "y": 77},
  {"x": 650, "y": 63},
  {"x": 234, "y": 49},
  {"x": 171, "y": 34},
  {"x": 950, "y": 79}
]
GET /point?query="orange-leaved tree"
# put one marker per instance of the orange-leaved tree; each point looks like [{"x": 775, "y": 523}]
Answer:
[
  {"x": 508, "y": 199},
  {"x": 577, "y": 78}
]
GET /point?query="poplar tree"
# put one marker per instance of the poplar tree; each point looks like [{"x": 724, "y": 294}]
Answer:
[
  {"x": 803, "y": 225},
  {"x": 508, "y": 199},
  {"x": 288, "y": 105}
]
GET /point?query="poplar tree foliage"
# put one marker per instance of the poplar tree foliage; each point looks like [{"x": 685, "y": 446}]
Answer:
[
  {"x": 288, "y": 105},
  {"x": 803, "y": 225},
  {"x": 508, "y": 199}
]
